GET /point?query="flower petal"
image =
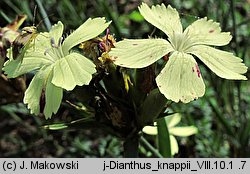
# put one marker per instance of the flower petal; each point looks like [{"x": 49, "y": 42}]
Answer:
[
  {"x": 139, "y": 53},
  {"x": 222, "y": 63},
  {"x": 207, "y": 32},
  {"x": 72, "y": 70},
  {"x": 174, "y": 145},
  {"x": 31, "y": 61},
  {"x": 33, "y": 93},
  {"x": 184, "y": 131},
  {"x": 173, "y": 120},
  {"x": 34, "y": 57},
  {"x": 150, "y": 130},
  {"x": 43, "y": 40},
  {"x": 53, "y": 94},
  {"x": 180, "y": 79},
  {"x": 56, "y": 31},
  {"x": 166, "y": 19},
  {"x": 53, "y": 97},
  {"x": 88, "y": 30}
]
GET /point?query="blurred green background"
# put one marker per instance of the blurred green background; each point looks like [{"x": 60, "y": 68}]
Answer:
[{"x": 222, "y": 115}]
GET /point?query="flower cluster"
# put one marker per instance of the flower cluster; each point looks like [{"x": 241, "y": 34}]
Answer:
[{"x": 57, "y": 66}]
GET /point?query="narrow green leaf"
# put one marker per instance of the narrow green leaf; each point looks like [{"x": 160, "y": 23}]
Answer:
[
  {"x": 151, "y": 108},
  {"x": 44, "y": 14},
  {"x": 58, "y": 126},
  {"x": 163, "y": 138}
]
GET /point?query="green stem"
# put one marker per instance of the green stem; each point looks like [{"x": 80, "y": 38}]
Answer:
[{"x": 148, "y": 146}]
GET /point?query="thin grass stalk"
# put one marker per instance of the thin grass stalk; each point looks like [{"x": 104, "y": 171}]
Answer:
[{"x": 44, "y": 14}]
